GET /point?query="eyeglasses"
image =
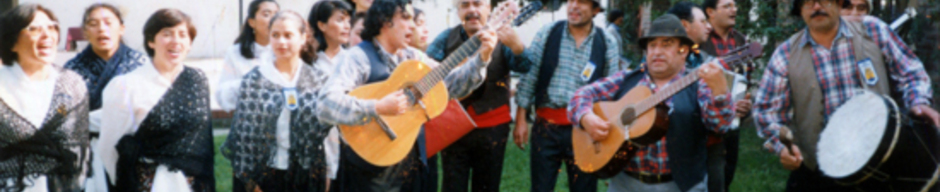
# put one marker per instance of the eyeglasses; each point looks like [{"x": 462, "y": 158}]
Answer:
[
  {"x": 825, "y": 3},
  {"x": 35, "y": 30},
  {"x": 857, "y": 7}
]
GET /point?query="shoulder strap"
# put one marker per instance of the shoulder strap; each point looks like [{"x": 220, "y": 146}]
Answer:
[{"x": 549, "y": 62}]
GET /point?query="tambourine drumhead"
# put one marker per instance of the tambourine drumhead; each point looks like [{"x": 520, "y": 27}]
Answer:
[{"x": 852, "y": 135}]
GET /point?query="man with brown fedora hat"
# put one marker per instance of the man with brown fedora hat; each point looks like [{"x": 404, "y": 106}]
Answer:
[
  {"x": 705, "y": 106},
  {"x": 822, "y": 64}
]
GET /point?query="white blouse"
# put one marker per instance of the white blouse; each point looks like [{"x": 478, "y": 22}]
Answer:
[
  {"x": 30, "y": 99},
  {"x": 127, "y": 100},
  {"x": 234, "y": 68},
  {"x": 331, "y": 142},
  {"x": 281, "y": 158}
]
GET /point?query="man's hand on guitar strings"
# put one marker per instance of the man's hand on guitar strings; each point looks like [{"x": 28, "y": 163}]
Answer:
[
  {"x": 791, "y": 162},
  {"x": 392, "y": 104},
  {"x": 714, "y": 77},
  {"x": 595, "y": 126},
  {"x": 924, "y": 111}
]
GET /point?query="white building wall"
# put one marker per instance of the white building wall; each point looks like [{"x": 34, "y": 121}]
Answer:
[{"x": 217, "y": 21}]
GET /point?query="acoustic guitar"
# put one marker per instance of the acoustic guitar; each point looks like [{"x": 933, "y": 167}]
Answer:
[
  {"x": 637, "y": 119},
  {"x": 386, "y": 140},
  {"x": 455, "y": 122}
]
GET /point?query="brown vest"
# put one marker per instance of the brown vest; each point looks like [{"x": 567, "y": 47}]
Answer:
[
  {"x": 495, "y": 89},
  {"x": 806, "y": 94}
]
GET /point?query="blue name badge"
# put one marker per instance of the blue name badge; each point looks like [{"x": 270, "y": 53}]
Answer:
[
  {"x": 290, "y": 98},
  {"x": 867, "y": 70},
  {"x": 588, "y": 71}
]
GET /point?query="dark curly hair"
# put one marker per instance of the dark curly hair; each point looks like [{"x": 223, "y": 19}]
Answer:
[{"x": 382, "y": 12}]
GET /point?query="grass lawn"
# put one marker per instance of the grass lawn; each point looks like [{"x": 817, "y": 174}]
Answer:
[{"x": 757, "y": 170}]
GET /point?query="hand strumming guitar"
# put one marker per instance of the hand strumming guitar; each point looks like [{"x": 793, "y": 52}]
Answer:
[
  {"x": 595, "y": 126},
  {"x": 392, "y": 104}
]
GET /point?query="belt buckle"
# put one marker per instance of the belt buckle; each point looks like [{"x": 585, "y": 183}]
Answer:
[{"x": 650, "y": 178}]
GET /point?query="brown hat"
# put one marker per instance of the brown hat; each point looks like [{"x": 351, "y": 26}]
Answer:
[{"x": 667, "y": 25}]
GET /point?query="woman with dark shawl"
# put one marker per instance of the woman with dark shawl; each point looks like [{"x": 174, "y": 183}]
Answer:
[
  {"x": 276, "y": 139},
  {"x": 43, "y": 108},
  {"x": 156, "y": 134},
  {"x": 105, "y": 57}
]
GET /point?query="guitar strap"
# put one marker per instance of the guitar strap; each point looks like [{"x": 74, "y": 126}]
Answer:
[{"x": 550, "y": 59}]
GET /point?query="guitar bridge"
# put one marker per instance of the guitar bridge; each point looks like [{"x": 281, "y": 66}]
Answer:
[{"x": 388, "y": 131}]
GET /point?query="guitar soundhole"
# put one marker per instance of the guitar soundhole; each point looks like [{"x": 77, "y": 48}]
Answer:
[
  {"x": 412, "y": 93},
  {"x": 628, "y": 115}
]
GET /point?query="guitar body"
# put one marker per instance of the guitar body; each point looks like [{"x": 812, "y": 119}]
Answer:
[
  {"x": 606, "y": 158},
  {"x": 369, "y": 141}
]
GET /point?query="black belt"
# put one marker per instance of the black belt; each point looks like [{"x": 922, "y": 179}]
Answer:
[
  {"x": 94, "y": 135},
  {"x": 650, "y": 178}
]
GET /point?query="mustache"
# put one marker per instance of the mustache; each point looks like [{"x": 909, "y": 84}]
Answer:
[
  {"x": 471, "y": 16},
  {"x": 819, "y": 13}
]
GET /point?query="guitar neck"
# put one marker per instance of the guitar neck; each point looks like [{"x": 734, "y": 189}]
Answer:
[
  {"x": 667, "y": 92},
  {"x": 438, "y": 73}
]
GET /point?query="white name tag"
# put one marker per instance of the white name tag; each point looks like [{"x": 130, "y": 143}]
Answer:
[
  {"x": 290, "y": 98},
  {"x": 867, "y": 70},
  {"x": 588, "y": 71}
]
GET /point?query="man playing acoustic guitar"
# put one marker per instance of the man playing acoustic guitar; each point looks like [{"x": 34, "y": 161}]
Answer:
[
  {"x": 385, "y": 45},
  {"x": 482, "y": 149},
  {"x": 703, "y": 106}
]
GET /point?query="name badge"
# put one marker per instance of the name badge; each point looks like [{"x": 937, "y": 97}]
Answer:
[
  {"x": 290, "y": 98},
  {"x": 867, "y": 70},
  {"x": 588, "y": 71}
]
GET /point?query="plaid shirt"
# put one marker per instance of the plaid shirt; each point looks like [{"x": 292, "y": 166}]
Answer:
[
  {"x": 337, "y": 108},
  {"x": 571, "y": 61},
  {"x": 837, "y": 76},
  {"x": 718, "y": 47},
  {"x": 717, "y": 116}
]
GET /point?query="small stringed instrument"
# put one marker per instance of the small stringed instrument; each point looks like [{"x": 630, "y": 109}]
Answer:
[
  {"x": 386, "y": 140},
  {"x": 637, "y": 119},
  {"x": 455, "y": 122}
]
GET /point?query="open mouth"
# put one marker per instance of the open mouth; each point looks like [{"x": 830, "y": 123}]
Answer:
[
  {"x": 45, "y": 49},
  {"x": 174, "y": 53},
  {"x": 104, "y": 39}
]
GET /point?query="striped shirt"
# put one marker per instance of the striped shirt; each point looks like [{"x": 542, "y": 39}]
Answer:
[
  {"x": 838, "y": 77},
  {"x": 717, "y": 114},
  {"x": 571, "y": 62}
]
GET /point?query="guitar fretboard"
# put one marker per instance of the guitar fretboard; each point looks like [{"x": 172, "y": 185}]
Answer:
[{"x": 438, "y": 73}]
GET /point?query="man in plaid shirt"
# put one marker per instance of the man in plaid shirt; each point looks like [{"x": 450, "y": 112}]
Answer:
[
  {"x": 677, "y": 161},
  {"x": 827, "y": 47}
]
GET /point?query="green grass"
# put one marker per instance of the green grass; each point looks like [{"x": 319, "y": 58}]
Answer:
[{"x": 757, "y": 170}]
